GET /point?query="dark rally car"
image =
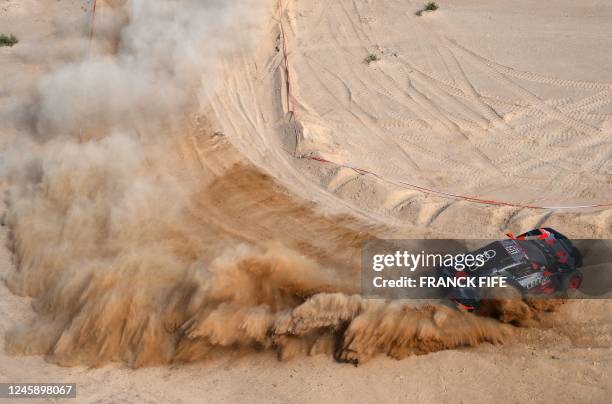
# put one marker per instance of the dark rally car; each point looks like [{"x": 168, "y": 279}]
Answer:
[{"x": 540, "y": 262}]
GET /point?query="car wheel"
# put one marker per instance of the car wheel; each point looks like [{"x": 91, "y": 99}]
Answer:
[{"x": 571, "y": 283}]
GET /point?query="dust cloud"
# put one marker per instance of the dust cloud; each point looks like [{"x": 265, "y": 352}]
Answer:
[{"x": 131, "y": 256}]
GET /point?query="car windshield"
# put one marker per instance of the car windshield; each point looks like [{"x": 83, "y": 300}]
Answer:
[{"x": 533, "y": 251}]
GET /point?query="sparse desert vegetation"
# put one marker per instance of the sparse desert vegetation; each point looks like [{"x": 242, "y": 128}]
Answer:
[
  {"x": 8, "y": 40},
  {"x": 372, "y": 57},
  {"x": 431, "y": 6}
]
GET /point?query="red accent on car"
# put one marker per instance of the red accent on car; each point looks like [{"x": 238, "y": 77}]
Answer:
[
  {"x": 574, "y": 283},
  {"x": 543, "y": 234},
  {"x": 463, "y": 306}
]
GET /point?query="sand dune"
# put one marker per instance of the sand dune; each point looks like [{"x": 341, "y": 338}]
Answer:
[{"x": 431, "y": 112}]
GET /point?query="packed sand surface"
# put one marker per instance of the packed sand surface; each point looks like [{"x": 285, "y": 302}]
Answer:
[{"x": 185, "y": 194}]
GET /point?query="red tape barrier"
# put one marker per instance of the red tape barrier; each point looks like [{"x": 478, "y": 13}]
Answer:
[
  {"x": 93, "y": 20},
  {"x": 451, "y": 195},
  {"x": 290, "y": 99}
]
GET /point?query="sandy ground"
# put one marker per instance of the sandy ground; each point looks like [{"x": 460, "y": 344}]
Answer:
[
  {"x": 456, "y": 110},
  {"x": 516, "y": 107}
]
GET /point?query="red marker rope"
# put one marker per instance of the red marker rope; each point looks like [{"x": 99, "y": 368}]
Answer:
[
  {"x": 290, "y": 99},
  {"x": 455, "y": 196},
  {"x": 93, "y": 20}
]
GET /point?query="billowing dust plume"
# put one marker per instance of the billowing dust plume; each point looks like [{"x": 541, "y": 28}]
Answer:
[{"x": 140, "y": 243}]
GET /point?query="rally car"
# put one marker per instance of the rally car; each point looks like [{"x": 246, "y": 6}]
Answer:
[{"x": 539, "y": 262}]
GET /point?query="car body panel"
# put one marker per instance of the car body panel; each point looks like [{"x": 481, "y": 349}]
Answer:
[{"x": 537, "y": 262}]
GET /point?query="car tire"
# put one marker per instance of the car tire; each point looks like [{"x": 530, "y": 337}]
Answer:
[{"x": 571, "y": 283}]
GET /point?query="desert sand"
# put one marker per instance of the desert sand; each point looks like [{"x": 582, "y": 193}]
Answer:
[{"x": 196, "y": 161}]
